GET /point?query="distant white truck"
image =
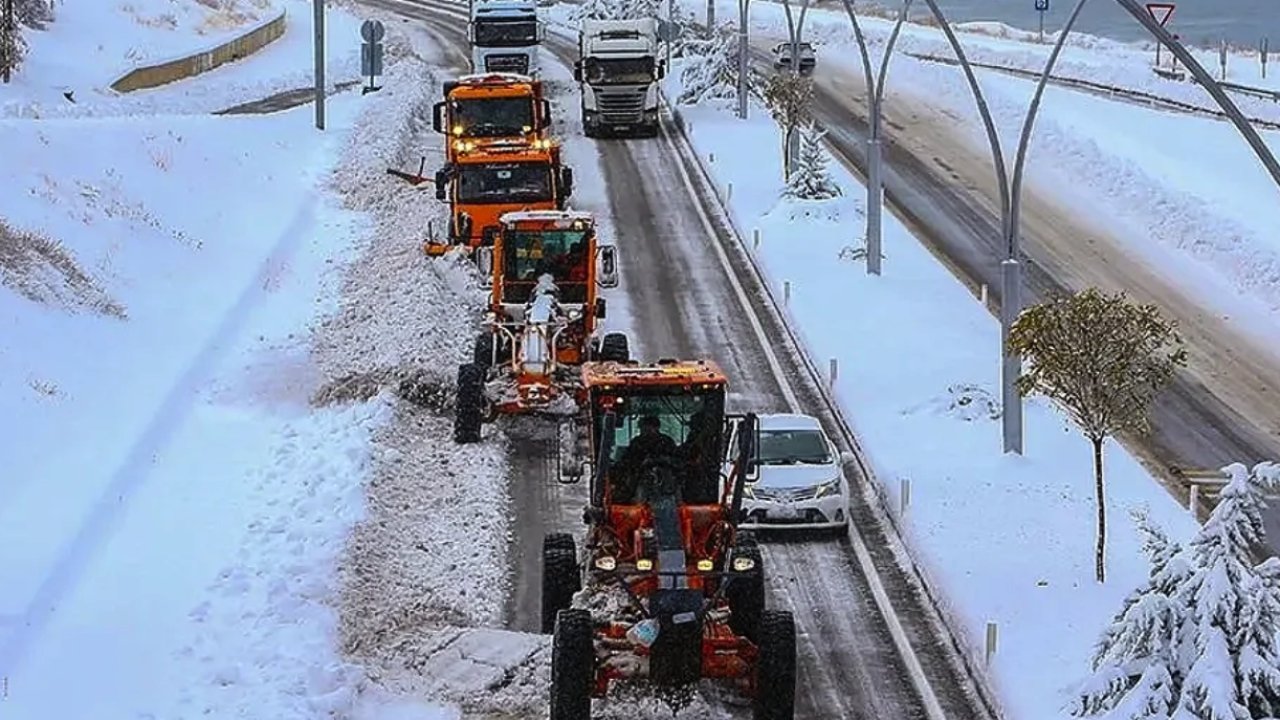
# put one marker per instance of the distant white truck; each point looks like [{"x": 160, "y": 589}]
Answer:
[
  {"x": 504, "y": 36},
  {"x": 618, "y": 72}
]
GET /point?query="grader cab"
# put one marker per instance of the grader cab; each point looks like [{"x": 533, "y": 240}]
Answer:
[
  {"x": 666, "y": 589},
  {"x": 544, "y": 268}
]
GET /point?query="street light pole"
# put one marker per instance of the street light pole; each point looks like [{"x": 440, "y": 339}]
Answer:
[
  {"x": 743, "y": 44},
  {"x": 875, "y": 97},
  {"x": 8, "y": 41},
  {"x": 318, "y": 6}
]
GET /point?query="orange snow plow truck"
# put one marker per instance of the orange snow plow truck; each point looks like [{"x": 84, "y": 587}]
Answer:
[
  {"x": 486, "y": 181},
  {"x": 479, "y": 109}
]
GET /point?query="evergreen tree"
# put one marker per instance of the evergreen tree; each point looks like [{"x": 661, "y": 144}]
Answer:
[
  {"x": 710, "y": 69},
  {"x": 810, "y": 179},
  {"x": 1198, "y": 641}
]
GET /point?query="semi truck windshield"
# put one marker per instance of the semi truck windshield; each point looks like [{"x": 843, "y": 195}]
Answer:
[
  {"x": 506, "y": 33},
  {"x": 628, "y": 71},
  {"x": 492, "y": 117},
  {"x": 505, "y": 183}
]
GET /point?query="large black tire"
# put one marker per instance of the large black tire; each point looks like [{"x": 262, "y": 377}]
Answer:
[
  {"x": 614, "y": 347},
  {"x": 776, "y": 668},
  {"x": 560, "y": 577},
  {"x": 483, "y": 352},
  {"x": 746, "y": 593},
  {"x": 572, "y": 666},
  {"x": 469, "y": 405}
]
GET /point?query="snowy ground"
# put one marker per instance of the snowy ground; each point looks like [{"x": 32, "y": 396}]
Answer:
[
  {"x": 86, "y": 48},
  {"x": 918, "y": 381},
  {"x": 202, "y": 404}
]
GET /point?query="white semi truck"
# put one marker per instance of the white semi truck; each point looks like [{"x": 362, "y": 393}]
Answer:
[
  {"x": 618, "y": 72},
  {"x": 504, "y": 36}
]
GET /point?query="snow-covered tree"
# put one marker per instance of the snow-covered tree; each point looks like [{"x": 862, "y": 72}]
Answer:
[
  {"x": 1104, "y": 358},
  {"x": 1199, "y": 640},
  {"x": 32, "y": 13},
  {"x": 619, "y": 9},
  {"x": 789, "y": 98},
  {"x": 710, "y": 69},
  {"x": 810, "y": 179},
  {"x": 13, "y": 46}
]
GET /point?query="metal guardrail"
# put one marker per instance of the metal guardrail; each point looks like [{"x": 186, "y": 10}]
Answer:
[
  {"x": 1137, "y": 97},
  {"x": 161, "y": 73}
]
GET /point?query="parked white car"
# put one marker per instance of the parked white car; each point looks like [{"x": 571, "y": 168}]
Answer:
[{"x": 800, "y": 485}]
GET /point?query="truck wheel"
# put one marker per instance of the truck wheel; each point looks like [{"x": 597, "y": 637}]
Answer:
[
  {"x": 651, "y": 131},
  {"x": 776, "y": 667},
  {"x": 560, "y": 576},
  {"x": 746, "y": 593},
  {"x": 469, "y": 405},
  {"x": 614, "y": 347},
  {"x": 483, "y": 352},
  {"x": 572, "y": 666}
]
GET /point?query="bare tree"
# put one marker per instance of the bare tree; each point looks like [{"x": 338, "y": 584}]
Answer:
[
  {"x": 1105, "y": 359},
  {"x": 790, "y": 100}
]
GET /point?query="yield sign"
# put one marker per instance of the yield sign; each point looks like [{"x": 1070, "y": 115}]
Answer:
[{"x": 1161, "y": 11}]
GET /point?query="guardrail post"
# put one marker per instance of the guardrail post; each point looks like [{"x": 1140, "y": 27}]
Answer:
[
  {"x": 992, "y": 631},
  {"x": 904, "y": 496},
  {"x": 786, "y": 292},
  {"x": 1193, "y": 501},
  {"x": 982, "y": 293},
  {"x": 755, "y": 239},
  {"x": 711, "y": 158},
  {"x": 728, "y": 193},
  {"x": 833, "y": 372}
]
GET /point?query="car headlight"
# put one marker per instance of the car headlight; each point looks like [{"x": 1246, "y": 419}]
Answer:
[
  {"x": 828, "y": 488},
  {"x": 607, "y": 563}
]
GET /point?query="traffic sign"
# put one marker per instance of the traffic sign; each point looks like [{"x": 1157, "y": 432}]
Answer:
[
  {"x": 667, "y": 30},
  {"x": 1042, "y": 5},
  {"x": 372, "y": 31},
  {"x": 1161, "y": 11}
]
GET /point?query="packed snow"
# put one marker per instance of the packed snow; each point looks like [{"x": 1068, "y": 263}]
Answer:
[{"x": 919, "y": 382}]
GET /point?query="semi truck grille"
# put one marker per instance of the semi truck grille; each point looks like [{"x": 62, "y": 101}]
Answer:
[
  {"x": 507, "y": 63},
  {"x": 621, "y": 106}
]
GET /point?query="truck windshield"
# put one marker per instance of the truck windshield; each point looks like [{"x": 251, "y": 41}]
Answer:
[
  {"x": 506, "y": 33},
  {"x": 621, "y": 71},
  {"x": 560, "y": 253},
  {"x": 491, "y": 117},
  {"x": 505, "y": 183}
]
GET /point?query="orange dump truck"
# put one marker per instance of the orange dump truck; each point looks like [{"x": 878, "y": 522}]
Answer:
[
  {"x": 491, "y": 106},
  {"x": 487, "y": 180}
]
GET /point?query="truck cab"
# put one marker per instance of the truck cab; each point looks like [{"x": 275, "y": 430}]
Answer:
[
  {"x": 487, "y": 180},
  {"x": 489, "y": 107},
  {"x": 618, "y": 72},
  {"x": 504, "y": 36}
]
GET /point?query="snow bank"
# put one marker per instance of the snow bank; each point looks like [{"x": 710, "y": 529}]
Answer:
[{"x": 918, "y": 379}]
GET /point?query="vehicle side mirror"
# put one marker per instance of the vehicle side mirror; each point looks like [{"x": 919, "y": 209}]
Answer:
[
  {"x": 484, "y": 260},
  {"x": 437, "y": 119},
  {"x": 442, "y": 184},
  {"x": 662, "y": 69},
  {"x": 566, "y": 181},
  {"x": 489, "y": 236},
  {"x": 601, "y": 308},
  {"x": 608, "y": 277},
  {"x": 577, "y": 70},
  {"x": 545, "y": 120}
]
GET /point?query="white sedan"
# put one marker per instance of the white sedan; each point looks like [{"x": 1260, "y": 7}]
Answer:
[{"x": 801, "y": 485}]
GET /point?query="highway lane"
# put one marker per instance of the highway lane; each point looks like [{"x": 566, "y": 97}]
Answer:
[{"x": 685, "y": 303}]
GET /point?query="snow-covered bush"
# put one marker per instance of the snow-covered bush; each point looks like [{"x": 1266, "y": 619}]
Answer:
[
  {"x": 710, "y": 68},
  {"x": 1199, "y": 640},
  {"x": 810, "y": 179},
  {"x": 618, "y": 9}
]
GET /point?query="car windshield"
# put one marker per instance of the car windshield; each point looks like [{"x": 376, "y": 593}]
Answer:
[
  {"x": 630, "y": 71},
  {"x": 491, "y": 117},
  {"x": 560, "y": 253},
  {"x": 505, "y": 33},
  {"x": 505, "y": 183},
  {"x": 793, "y": 447}
]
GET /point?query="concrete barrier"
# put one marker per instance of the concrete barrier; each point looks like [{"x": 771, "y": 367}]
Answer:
[{"x": 149, "y": 76}]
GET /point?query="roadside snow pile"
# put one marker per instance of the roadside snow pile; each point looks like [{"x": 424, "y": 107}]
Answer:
[
  {"x": 309, "y": 496},
  {"x": 915, "y": 352}
]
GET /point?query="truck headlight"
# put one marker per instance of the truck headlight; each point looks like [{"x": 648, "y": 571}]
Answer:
[
  {"x": 828, "y": 488},
  {"x": 644, "y": 564},
  {"x": 743, "y": 564},
  {"x": 706, "y": 566},
  {"x": 607, "y": 563}
]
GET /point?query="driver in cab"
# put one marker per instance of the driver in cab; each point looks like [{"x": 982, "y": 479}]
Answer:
[{"x": 650, "y": 444}]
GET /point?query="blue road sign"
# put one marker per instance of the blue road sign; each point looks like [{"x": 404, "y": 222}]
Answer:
[{"x": 1042, "y": 5}]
